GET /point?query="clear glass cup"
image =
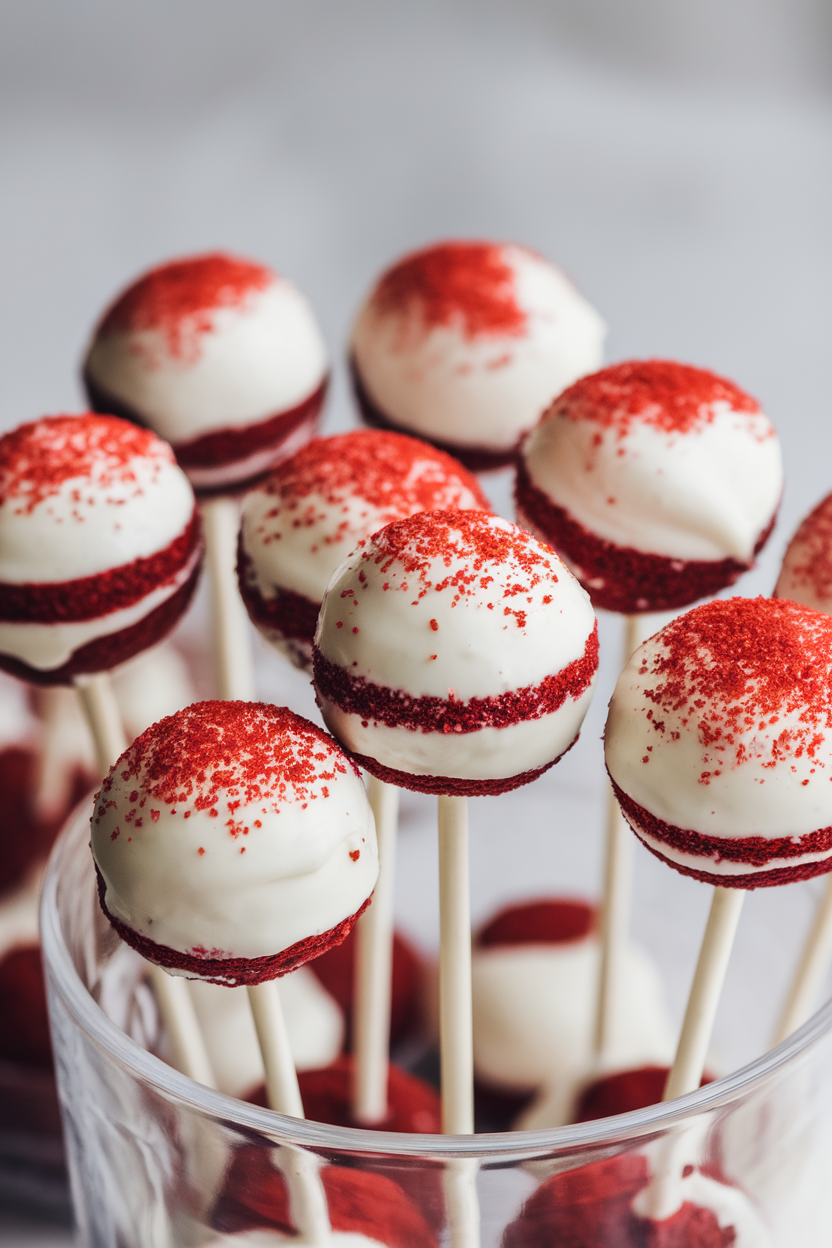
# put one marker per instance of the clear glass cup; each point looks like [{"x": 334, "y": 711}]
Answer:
[{"x": 151, "y": 1152}]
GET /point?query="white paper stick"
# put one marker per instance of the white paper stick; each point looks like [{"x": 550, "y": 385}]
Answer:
[
  {"x": 813, "y": 965},
  {"x": 455, "y": 1007},
  {"x": 232, "y": 632},
  {"x": 282, "y": 1091},
  {"x": 172, "y": 997},
  {"x": 461, "y": 1203},
  {"x": 374, "y": 966},
  {"x": 615, "y": 903},
  {"x": 689, "y": 1064}
]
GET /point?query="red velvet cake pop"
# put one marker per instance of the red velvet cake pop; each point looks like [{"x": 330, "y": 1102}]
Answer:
[
  {"x": 806, "y": 574},
  {"x": 233, "y": 842},
  {"x": 315, "y": 508},
  {"x": 221, "y": 357},
  {"x": 100, "y": 542},
  {"x": 465, "y": 343},
  {"x": 657, "y": 483}
]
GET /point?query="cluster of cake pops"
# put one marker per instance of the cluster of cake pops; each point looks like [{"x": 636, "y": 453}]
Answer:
[{"x": 453, "y": 653}]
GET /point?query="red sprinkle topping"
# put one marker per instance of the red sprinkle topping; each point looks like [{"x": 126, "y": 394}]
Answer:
[
  {"x": 37, "y": 458},
  {"x": 395, "y": 475},
  {"x": 808, "y": 560},
  {"x": 179, "y": 299},
  {"x": 675, "y": 398},
  {"x": 736, "y": 669},
  {"x": 469, "y": 286},
  {"x": 221, "y": 756}
]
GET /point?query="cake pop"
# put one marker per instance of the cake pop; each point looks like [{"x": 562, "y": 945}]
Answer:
[
  {"x": 315, "y": 507},
  {"x": 455, "y": 654},
  {"x": 466, "y": 343},
  {"x": 101, "y": 545},
  {"x": 657, "y": 482},
  {"x": 221, "y": 357}
]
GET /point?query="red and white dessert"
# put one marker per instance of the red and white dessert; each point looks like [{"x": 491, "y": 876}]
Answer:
[
  {"x": 455, "y": 654},
  {"x": 535, "y": 971},
  {"x": 100, "y": 545},
  {"x": 806, "y": 574},
  {"x": 657, "y": 483},
  {"x": 466, "y": 343},
  {"x": 314, "y": 509},
  {"x": 719, "y": 742},
  {"x": 221, "y": 357},
  {"x": 233, "y": 841}
]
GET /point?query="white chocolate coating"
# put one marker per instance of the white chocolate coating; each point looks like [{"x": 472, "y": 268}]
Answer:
[
  {"x": 254, "y": 359},
  {"x": 707, "y": 493},
  {"x": 806, "y": 574},
  {"x": 750, "y": 761},
  {"x": 485, "y": 389},
  {"x": 534, "y": 1015},
  {"x": 290, "y": 853},
  {"x": 419, "y": 607}
]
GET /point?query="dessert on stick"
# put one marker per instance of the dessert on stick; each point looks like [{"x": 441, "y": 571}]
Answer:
[
  {"x": 455, "y": 655},
  {"x": 297, "y": 528},
  {"x": 224, "y": 359},
  {"x": 806, "y": 577},
  {"x": 465, "y": 343}
]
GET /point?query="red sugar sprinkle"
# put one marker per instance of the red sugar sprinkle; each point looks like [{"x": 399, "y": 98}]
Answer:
[
  {"x": 37, "y": 458},
  {"x": 733, "y": 664},
  {"x": 468, "y": 285},
  {"x": 808, "y": 560},
  {"x": 180, "y": 297},
  {"x": 675, "y": 398}
]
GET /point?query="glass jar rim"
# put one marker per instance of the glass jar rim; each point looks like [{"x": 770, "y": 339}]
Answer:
[{"x": 641, "y": 1124}]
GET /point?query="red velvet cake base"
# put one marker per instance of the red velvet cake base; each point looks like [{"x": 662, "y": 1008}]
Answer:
[
  {"x": 632, "y": 581},
  {"x": 475, "y": 458},
  {"x": 24, "y": 1023},
  {"x": 413, "y": 1105},
  {"x": 450, "y": 786},
  {"x": 288, "y": 613},
  {"x": 255, "y": 1196},
  {"x": 230, "y": 972},
  {"x": 336, "y": 971},
  {"x": 754, "y": 850},
  {"x": 105, "y": 653},
  {"x": 223, "y": 446},
  {"x": 544, "y": 921},
  {"x": 25, "y": 839},
  {"x": 590, "y": 1208},
  {"x": 623, "y": 1091}
]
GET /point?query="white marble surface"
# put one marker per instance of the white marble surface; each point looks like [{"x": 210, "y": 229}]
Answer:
[{"x": 674, "y": 159}]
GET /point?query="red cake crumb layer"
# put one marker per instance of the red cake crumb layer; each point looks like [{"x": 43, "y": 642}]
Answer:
[
  {"x": 549, "y": 921},
  {"x": 813, "y": 539},
  {"x": 37, "y": 458},
  {"x": 105, "y": 653},
  {"x": 24, "y": 838},
  {"x": 675, "y": 398},
  {"x": 179, "y": 299},
  {"x": 255, "y": 1195},
  {"x": 467, "y": 286},
  {"x": 624, "y": 1091},
  {"x": 230, "y": 972},
  {"x": 591, "y": 1208},
  {"x": 475, "y": 458},
  {"x": 451, "y": 786},
  {"x": 754, "y": 850},
  {"x": 631, "y": 580},
  {"x": 24, "y": 1023},
  {"x": 413, "y": 1105},
  {"x": 398, "y": 709},
  {"x": 336, "y": 971},
  {"x": 289, "y": 614},
  {"x": 91, "y": 597}
]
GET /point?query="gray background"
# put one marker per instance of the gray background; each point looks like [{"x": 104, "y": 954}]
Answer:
[{"x": 673, "y": 158}]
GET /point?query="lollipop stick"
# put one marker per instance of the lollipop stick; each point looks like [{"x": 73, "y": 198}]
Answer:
[
  {"x": 374, "y": 966},
  {"x": 232, "y": 636},
  {"x": 172, "y": 997},
  {"x": 282, "y": 1091},
  {"x": 689, "y": 1064},
  {"x": 811, "y": 969},
  {"x": 455, "y": 1007},
  {"x": 615, "y": 904}
]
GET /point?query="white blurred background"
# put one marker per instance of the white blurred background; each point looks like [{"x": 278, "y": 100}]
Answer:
[{"x": 673, "y": 158}]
